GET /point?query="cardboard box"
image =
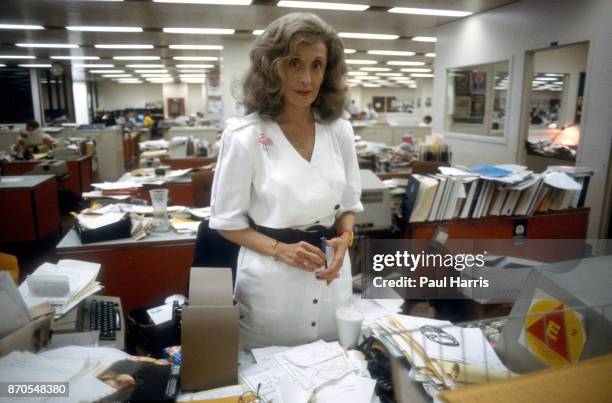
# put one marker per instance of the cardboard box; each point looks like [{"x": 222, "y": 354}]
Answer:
[
  {"x": 31, "y": 337},
  {"x": 506, "y": 276},
  {"x": 209, "y": 331}
]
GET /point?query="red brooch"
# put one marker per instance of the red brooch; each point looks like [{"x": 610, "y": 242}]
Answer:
[{"x": 265, "y": 141}]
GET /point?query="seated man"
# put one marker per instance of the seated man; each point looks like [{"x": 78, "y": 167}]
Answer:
[{"x": 32, "y": 136}]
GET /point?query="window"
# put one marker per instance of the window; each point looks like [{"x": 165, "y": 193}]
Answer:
[{"x": 477, "y": 98}]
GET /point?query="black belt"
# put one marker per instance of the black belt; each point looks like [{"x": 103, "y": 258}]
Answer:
[{"x": 312, "y": 235}]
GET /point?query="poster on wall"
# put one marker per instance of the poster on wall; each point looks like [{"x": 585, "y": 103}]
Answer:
[
  {"x": 213, "y": 85},
  {"x": 428, "y": 102},
  {"x": 477, "y": 106},
  {"x": 462, "y": 83},
  {"x": 378, "y": 103},
  {"x": 391, "y": 104},
  {"x": 462, "y": 107},
  {"x": 478, "y": 82}
]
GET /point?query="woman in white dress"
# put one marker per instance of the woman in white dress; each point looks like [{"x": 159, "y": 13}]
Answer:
[{"x": 287, "y": 175}]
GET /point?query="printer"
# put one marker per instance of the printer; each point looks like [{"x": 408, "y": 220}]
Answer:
[
  {"x": 51, "y": 167},
  {"x": 376, "y": 200}
]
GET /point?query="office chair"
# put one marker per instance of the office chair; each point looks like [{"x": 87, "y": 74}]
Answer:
[
  {"x": 201, "y": 184},
  {"x": 212, "y": 250}
]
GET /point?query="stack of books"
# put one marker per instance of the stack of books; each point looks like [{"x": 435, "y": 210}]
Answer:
[{"x": 493, "y": 190}]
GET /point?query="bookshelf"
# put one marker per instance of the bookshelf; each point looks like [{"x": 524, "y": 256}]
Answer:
[{"x": 567, "y": 227}]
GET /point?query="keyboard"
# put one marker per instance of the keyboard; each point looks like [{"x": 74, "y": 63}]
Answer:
[{"x": 104, "y": 316}]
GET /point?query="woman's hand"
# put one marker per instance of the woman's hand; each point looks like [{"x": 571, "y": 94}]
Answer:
[
  {"x": 339, "y": 245},
  {"x": 301, "y": 255}
]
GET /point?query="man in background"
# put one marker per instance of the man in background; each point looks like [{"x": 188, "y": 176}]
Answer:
[{"x": 32, "y": 136}]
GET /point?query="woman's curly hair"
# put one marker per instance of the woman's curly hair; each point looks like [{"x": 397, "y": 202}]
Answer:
[{"x": 263, "y": 85}]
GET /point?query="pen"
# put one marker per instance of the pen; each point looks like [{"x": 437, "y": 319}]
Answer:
[{"x": 323, "y": 248}]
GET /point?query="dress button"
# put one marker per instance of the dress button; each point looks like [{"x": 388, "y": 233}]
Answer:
[
  {"x": 313, "y": 324},
  {"x": 315, "y": 301},
  {"x": 336, "y": 207}
]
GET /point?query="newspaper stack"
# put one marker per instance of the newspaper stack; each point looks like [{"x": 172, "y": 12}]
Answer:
[{"x": 82, "y": 283}]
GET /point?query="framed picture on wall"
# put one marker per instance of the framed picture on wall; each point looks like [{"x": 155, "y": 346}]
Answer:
[
  {"x": 378, "y": 103},
  {"x": 462, "y": 107},
  {"x": 462, "y": 82},
  {"x": 477, "y": 106},
  {"x": 428, "y": 102},
  {"x": 391, "y": 104}
]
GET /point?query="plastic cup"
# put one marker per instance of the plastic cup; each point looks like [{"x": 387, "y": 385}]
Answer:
[
  {"x": 349, "y": 322},
  {"x": 159, "y": 199}
]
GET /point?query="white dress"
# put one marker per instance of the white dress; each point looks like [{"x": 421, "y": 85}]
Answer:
[{"x": 277, "y": 188}]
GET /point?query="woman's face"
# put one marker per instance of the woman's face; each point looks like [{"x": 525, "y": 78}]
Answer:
[{"x": 303, "y": 73}]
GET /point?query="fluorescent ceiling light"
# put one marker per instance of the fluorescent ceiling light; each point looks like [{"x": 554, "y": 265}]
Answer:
[
  {"x": 75, "y": 57},
  {"x": 391, "y": 53},
  {"x": 116, "y": 75},
  {"x": 103, "y": 29},
  {"x": 375, "y": 68},
  {"x": 558, "y": 82},
  {"x": 404, "y": 63},
  {"x": 160, "y": 80},
  {"x": 430, "y": 55},
  {"x": 367, "y": 78},
  {"x": 35, "y": 65},
  {"x": 151, "y": 71},
  {"x": 372, "y": 85},
  {"x": 136, "y": 57},
  {"x": 201, "y": 31},
  {"x": 429, "y": 11},
  {"x": 123, "y": 46},
  {"x": 415, "y": 70},
  {"x": 358, "y": 61},
  {"x": 20, "y": 26},
  {"x": 106, "y": 71},
  {"x": 424, "y": 75},
  {"x": 129, "y": 82},
  {"x": 349, "y": 51},
  {"x": 195, "y": 66},
  {"x": 322, "y": 5},
  {"x": 358, "y": 35},
  {"x": 197, "y": 58},
  {"x": 93, "y": 66},
  {"x": 47, "y": 45},
  {"x": 357, "y": 73},
  {"x": 425, "y": 39},
  {"x": 196, "y": 47},
  {"x": 545, "y": 79},
  {"x": 192, "y": 71},
  {"x": 219, "y": 2},
  {"x": 145, "y": 66},
  {"x": 553, "y": 75},
  {"x": 389, "y": 74},
  {"x": 17, "y": 57},
  {"x": 2, "y": 65}
]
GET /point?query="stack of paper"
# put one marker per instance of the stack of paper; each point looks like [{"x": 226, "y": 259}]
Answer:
[
  {"x": 78, "y": 366},
  {"x": 81, "y": 275},
  {"x": 442, "y": 355},
  {"x": 14, "y": 313},
  {"x": 319, "y": 370}
]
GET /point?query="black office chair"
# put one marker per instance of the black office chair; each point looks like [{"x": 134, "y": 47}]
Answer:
[{"x": 212, "y": 250}]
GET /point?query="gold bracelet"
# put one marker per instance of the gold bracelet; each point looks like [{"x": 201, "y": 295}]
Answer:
[{"x": 274, "y": 245}]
